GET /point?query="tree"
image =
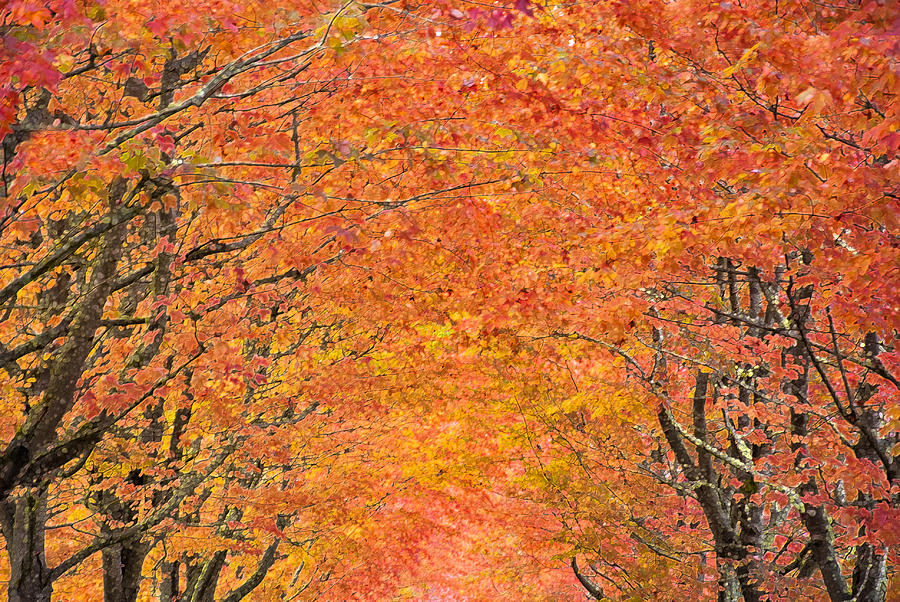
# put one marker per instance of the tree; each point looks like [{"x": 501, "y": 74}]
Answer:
[
  {"x": 715, "y": 134},
  {"x": 308, "y": 301},
  {"x": 717, "y": 141},
  {"x": 175, "y": 353}
]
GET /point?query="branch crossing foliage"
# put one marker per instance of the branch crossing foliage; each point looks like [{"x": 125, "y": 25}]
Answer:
[{"x": 449, "y": 300}]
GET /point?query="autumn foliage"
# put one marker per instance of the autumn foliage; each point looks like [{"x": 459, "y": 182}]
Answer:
[{"x": 523, "y": 300}]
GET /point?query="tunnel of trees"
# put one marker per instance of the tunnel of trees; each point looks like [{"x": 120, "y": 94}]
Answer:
[{"x": 449, "y": 300}]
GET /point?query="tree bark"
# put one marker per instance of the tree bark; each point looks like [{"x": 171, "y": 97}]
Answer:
[
  {"x": 122, "y": 569},
  {"x": 23, "y": 519}
]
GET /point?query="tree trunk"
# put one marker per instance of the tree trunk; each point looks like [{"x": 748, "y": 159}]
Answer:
[
  {"x": 122, "y": 564},
  {"x": 203, "y": 577},
  {"x": 22, "y": 519},
  {"x": 168, "y": 590}
]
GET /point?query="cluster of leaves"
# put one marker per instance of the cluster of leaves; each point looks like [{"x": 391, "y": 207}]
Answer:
[{"x": 449, "y": 301}]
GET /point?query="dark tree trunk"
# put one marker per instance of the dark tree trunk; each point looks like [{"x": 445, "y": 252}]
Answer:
[
  {"x": 203, "y": 577},
  {"x": 170, "y": 585},
  {"x": 23, "y": 518},
  {"x": 869, "y": 575},
  {"x": 122, "y": 569}
]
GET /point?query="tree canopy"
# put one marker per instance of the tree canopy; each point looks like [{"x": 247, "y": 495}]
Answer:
[{"x": 449, "y": 300}]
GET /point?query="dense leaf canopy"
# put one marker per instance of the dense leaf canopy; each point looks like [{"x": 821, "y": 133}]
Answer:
[{"x": 449, "y": 300}]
